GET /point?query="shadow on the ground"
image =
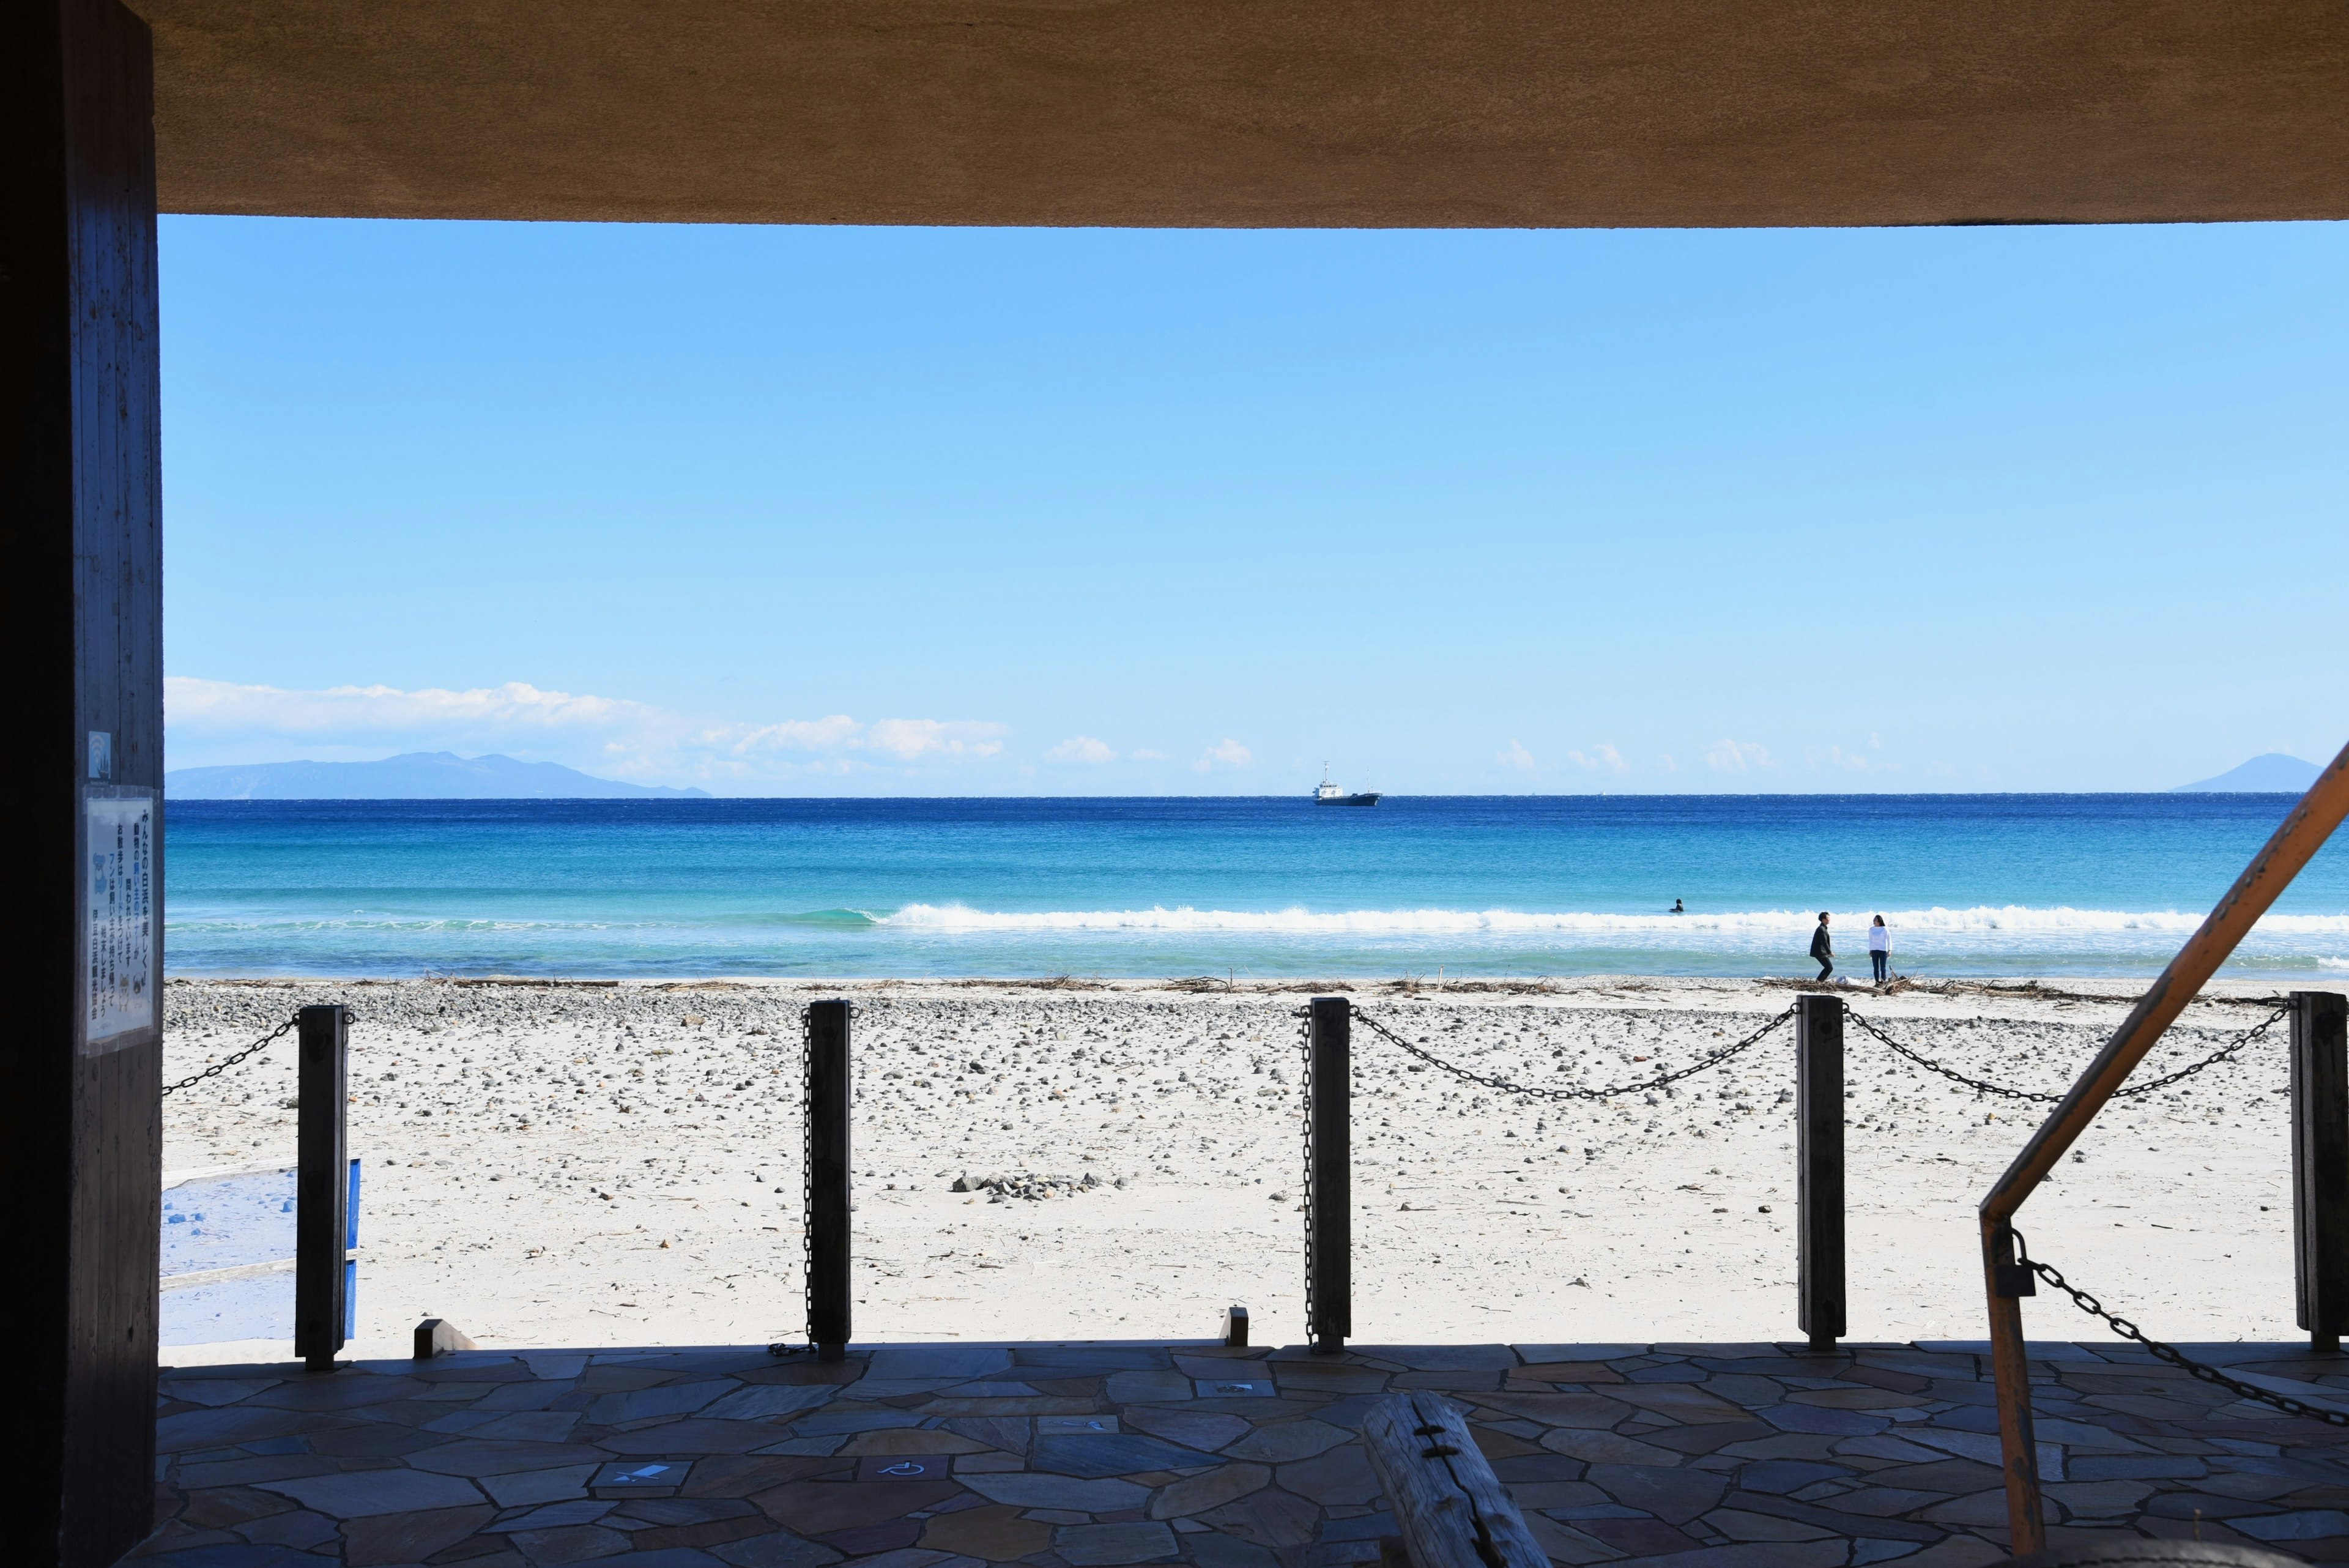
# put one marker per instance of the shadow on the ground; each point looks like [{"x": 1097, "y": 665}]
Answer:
[{"x": 1087, "y": 1455}]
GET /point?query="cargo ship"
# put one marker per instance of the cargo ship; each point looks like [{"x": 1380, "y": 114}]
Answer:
[{"x": 1331, "y": 794}]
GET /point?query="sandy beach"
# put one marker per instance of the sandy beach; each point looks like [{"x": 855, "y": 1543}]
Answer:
[{"x": 587, "y": 1165}]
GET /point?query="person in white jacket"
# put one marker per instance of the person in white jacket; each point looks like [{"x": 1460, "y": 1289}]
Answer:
[{"x": 1879, "y": 947}]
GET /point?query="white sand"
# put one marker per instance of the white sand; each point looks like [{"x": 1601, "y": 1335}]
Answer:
[{"x": 579, "y": 1166}]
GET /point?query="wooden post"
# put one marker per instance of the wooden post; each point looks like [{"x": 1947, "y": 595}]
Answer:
[
  {"x": 1451, "y": 1509},
  {"x": 2319, "y": 1163},
  {"x": 322, "y": 1186},
  {"x": 80, "y": 1123},
  {"x": 1818, "y": 1158},
  {"x": 1329, "y": 1176},
  {"x": 828, "y": 1264}
]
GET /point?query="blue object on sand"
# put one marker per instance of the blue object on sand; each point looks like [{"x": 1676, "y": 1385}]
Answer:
[{"x": 242, "y": 1219}]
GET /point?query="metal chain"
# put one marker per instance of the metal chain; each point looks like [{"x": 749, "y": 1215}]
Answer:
[
  {"x": 1504, "y": 1087},
  {"x": 807, "y": 1172},
  {"x": 2170, "y": 1352},
  {"x": 217, "y": 1068},
  {"x": 1305, "y": 1056},
  {"x": 2224, "y": 1054},
  {"x": 1978, "y": 1086}
]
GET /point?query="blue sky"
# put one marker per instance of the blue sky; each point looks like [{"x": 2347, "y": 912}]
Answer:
[{"x": 850, "y": 510}]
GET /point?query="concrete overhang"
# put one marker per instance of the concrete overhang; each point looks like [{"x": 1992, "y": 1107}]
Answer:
[{"x": 1385, "y": 113}]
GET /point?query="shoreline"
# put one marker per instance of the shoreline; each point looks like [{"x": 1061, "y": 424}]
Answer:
[{"x": 2049, "y": 988}]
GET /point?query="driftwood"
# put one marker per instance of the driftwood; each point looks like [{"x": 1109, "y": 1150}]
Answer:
[{"x": 1452, "y": 1509}]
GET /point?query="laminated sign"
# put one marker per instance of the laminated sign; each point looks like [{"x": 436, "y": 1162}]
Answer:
[{"x": 118, "y": 956}]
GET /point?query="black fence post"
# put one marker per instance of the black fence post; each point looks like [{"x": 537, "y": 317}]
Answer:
[
  {"x": 2319, "y": 1163},
  {"x": 828, "y": 1298},
  {"x": 1328, "y": 1175},
  {"x": 1818, "y": 1212},
  {"x": 322, "y": 1187}
]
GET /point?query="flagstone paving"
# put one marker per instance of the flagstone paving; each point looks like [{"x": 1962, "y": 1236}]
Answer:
[{"x": 1098, "y": 1456}]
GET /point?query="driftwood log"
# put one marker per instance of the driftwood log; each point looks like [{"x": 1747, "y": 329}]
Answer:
[{"x": 1452, "y": 1509}]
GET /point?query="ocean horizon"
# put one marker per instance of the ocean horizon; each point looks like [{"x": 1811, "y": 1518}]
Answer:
[{"x": 1251, "y": 887}]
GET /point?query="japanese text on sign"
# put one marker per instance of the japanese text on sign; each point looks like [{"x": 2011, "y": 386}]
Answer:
[{"x": 118, "y": 941}]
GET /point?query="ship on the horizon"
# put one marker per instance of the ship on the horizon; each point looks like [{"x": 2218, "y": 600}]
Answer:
[{"x": 1331, "y": 794}]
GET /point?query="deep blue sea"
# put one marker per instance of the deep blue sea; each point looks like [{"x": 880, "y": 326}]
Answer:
[{"x": 1970, "y": 885}]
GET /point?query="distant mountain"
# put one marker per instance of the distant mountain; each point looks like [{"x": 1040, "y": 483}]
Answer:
[
  {"x": 2274, "y": 773},
  {"x": 417, "y": 775}
]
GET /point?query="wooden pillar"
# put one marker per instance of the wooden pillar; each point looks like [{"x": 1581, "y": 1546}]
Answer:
[
  {"x": 1328, "y": 1175},
  {"x": 829, "y": 1302},
  {"x": 2319, "y": 1163},
  {"x": 1819, "y": 1198},
  {"x": 80, "y": 1068},
  {"x": 322, "y": 1187}
]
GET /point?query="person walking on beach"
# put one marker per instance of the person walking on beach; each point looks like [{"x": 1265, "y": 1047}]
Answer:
[
  {"x": 1822, "y": 948},
  {"x": 1879, "y": 947}
]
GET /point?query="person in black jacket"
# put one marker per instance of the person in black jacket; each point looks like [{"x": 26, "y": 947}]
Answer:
[{"x": 1822, "y": 948}]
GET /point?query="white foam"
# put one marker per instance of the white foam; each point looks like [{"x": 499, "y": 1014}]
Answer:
[{"x": 1982, "y": 921}]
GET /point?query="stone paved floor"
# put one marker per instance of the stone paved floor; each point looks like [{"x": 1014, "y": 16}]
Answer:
[{"x": 1085, "y": 1456}]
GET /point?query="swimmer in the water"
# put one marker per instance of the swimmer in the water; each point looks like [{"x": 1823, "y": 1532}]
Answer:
[{"x": 1676, "y": 908}]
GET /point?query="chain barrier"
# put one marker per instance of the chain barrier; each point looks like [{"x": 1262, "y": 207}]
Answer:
[
  {"x": 2224, "y": 1054},
  {"x": 807, "y": 1173},
  {"x": 2169, "y": 1353},
  {"x": 217, "y": 1068},
  {"x": 1577, "y": 1092},
  {"x": 1305, "y": 1053},
  {"x": 784, "y": 1347},
  {"x": 1978, "y": 1085}
]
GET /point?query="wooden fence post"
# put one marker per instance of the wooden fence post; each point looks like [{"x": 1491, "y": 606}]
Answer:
[
  {"x": 2319, "y": 1163},
  {"x": 1328, "y": 1175},
  {"x": 322, "y": 1189},
  {"x": 828, "y": 1264},
  {"x": 1819, "y": 1197}
]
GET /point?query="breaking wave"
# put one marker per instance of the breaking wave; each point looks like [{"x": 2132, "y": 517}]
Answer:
[{"x": 1982, "y": 922}]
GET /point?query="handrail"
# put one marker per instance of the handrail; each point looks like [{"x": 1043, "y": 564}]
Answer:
[{"x": 2304, "y": 830}]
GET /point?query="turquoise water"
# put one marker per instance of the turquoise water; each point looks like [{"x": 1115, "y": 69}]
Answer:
[{"x": 1972, "y": 885}]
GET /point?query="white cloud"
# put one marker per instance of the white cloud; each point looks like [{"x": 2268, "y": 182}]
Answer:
[
  {"x": 1081, "y": 749},
  {"x": 1736, "y": 756},
  {"x": 1517, "y": 756},
  {"x": 799, "y": 735},
  {"x": 1606, "y": 757},
  {"x": 1837, "y": 757},
  {"x": 192, "y": 703},
  {"x": 907, "y": 739},
  {"x": 224, "y": 722},
  {"x": 1229, "y": 754}
]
